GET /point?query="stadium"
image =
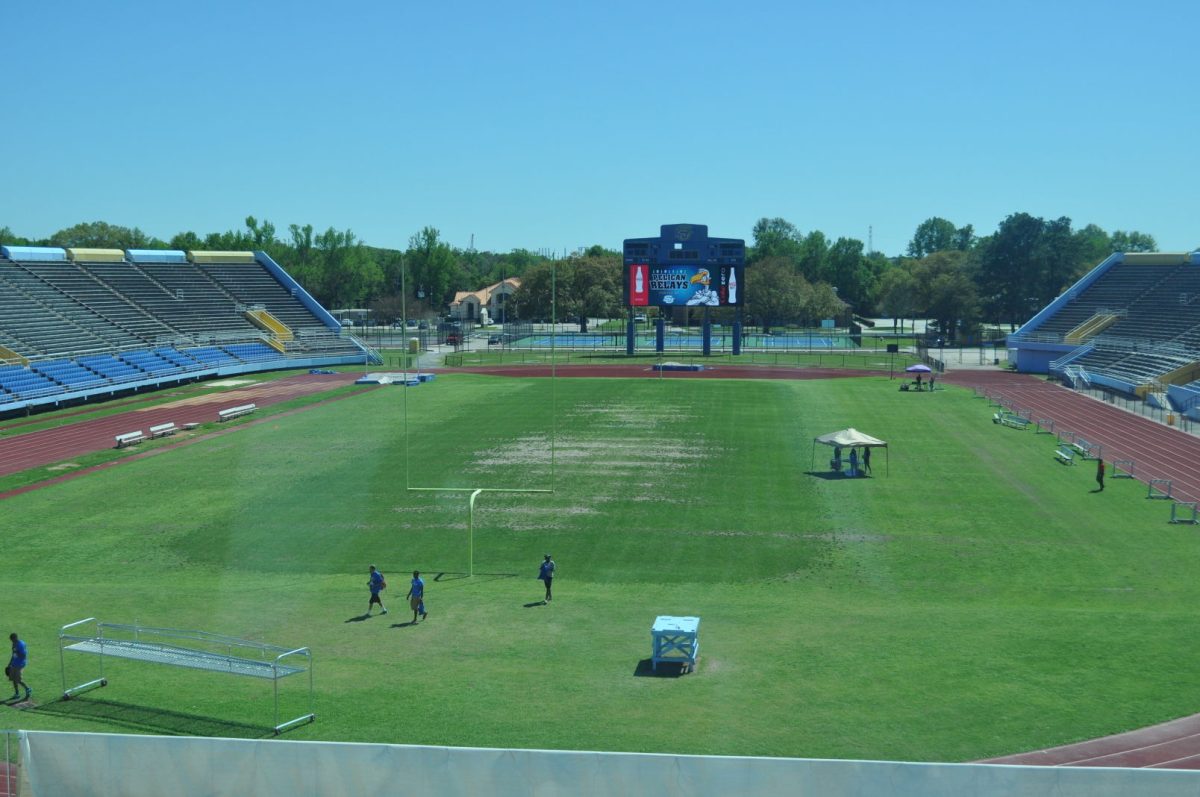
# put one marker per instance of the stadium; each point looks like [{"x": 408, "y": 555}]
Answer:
[{"x": 199, "y": 463}]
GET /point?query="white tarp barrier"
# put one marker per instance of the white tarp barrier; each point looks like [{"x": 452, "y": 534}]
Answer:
[{"x": 70, "y": 764}]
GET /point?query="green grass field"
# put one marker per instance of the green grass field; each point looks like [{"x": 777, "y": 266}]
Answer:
[{"x": 974, "y": 598}]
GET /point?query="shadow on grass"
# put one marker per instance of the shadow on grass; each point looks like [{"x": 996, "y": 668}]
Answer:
[
  {"x": 153, "y": 720},
  {"x": 359, "y": 618},
  {"x": 403, "y": 625},
  {"x": 829, "y": 475},
  {"x": 535, "y": 603},
  {"x": 666, "y": 669}
]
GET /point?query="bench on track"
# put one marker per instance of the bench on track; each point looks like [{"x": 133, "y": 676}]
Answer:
[
  {"x": 129, "y": 439},
  {"x": 1064, "y": 455},
  {"x": 163, "y": 430},
  {"x": 235, "y": 412},
  {"x": 196, "y": 650}
]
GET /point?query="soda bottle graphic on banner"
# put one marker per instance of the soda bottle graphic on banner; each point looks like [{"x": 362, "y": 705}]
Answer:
[
  {"x": 638, "y": 293},
  {"x": 733, "y": 286}
]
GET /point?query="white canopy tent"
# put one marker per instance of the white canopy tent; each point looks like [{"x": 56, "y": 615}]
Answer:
[{"x": 850, "y": 438}]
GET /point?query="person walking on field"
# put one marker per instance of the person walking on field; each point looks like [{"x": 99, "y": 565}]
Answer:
[
  {"x": 546, "y": 574},
  {"x": 376, "y": 584},
  {"x": 866, "y": 460},
  {"x": 20, "y": 657},
  {"x": 416, "y": 596},
  {"x": 1100, "y": 474}
]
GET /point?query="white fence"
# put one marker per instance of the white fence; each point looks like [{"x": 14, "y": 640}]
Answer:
[{"x": 69, "y": 764}]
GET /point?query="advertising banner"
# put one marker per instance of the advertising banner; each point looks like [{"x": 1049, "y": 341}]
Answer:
[{"x": 684, "y": 286}]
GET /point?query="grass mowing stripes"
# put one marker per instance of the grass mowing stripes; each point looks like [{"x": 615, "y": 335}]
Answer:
[{"x": 977, "y": 599}]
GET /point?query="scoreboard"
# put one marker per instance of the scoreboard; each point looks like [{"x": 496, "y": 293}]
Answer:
[{"x": 683, "y": 267}]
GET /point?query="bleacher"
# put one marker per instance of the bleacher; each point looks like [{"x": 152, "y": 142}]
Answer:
[
  {"x": 110, "y": 367},
  {"x": 1113, "y": 290},
  {"x": 1152, "y": 335},
  {"x": 31, "y": 317},
  {"x": 251, "y": 352},
  {"x": 252, "y": 284},
  {"x": 68, "y": 373},
  {"x": 23, "y": 383},
  {"x": 101, "y": 320},
  {"x": 195, "y": 303},
  {"x": 148, "y": 362}
]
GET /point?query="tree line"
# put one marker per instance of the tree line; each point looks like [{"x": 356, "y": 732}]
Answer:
[{"x": 947, "y": 273}]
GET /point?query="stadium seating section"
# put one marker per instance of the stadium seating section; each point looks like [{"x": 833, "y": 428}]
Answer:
[
  {"x": 1132, "y": 324},
  {"x": 74, "y": 322}
]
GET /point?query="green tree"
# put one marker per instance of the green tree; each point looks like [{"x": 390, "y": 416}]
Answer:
[
  {"x": 431, "y": 267},
  {"x": 9, "y": 238},
  {"x": 1059, "y": 260},
  {"x": 186, "y": 241},
  {"x": 597, "y": 283},
  {"x": 824, "y": 302},
  {"x": 349, "y": 277},
  {"x": 1133, "y": 241},
  {"x": 102, "y": 235},
  {"x": 852, "y": 273},
  {"x": 814, "y": 250},
  {"x": 898, "y": 293},
  {"x": 1092, "y": 244},
  {"x": 542, "y": 284},
  {"x": 775, "y": 293},
  {"x": 1009, "y": 268},
  {"x": 933, "y": 235},
  {"x": 773, "y": 239},
  {"x": 946, "y": 292}
]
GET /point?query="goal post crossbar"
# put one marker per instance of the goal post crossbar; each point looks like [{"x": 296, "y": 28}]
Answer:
[{"x": 475, "y": 492}]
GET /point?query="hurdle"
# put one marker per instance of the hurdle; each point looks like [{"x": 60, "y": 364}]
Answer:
[
  {"x": 1067, "y": 438},
  {"x": 1088, "y": 450},
  {"x": 1159, "y": 488},
  {"x": 1045, "y": 426},
  {"x": 1122, "y": 469},
  {"x": 1178, "y": 510}
]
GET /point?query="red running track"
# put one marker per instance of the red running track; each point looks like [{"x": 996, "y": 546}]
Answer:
[{"x": 24, "y": 451}]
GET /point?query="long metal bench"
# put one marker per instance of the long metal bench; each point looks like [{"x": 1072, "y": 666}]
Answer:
[
  {"x": 235, "y": 412},
  {"x": 164, "y": 429},
  {"x": 196, "y": 650},
  {"x": 129, "y": 439}
]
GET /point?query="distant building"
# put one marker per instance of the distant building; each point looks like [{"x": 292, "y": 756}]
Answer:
[{"x": 467, "y": 304}]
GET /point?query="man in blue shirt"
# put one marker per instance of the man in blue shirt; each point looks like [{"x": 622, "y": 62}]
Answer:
[
  {"x": 376, "y": 584},
  {"x": 546, "y": 574},
  {"x": 416, "y": 596},
  {"x": 15, "y": 665}
]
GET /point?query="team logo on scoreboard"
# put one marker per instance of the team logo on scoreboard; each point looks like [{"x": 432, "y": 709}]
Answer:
[{"x": 683, "y": 232}]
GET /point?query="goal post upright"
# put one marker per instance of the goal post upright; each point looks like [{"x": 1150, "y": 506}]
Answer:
[{"x": 475, "y": 492}]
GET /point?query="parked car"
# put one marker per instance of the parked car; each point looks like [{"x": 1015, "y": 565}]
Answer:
[
  {"x": 453, "y": 338},
  {"x": 494, "y": 339}
]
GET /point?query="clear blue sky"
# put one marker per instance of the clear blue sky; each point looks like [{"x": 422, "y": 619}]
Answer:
[{"x": 565, "y": 124}]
